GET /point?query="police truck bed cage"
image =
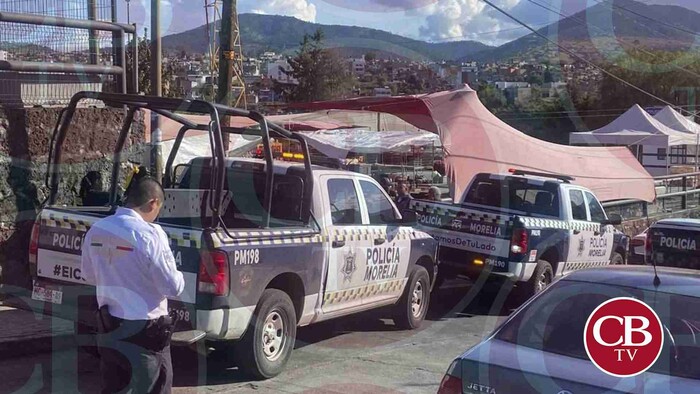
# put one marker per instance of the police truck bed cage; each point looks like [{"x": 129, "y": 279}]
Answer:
[
  {"x": 563, "y": 178},
  {"x": 169, "y": 107}
]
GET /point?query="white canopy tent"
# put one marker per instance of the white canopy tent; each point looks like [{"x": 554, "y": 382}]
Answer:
[
  {"x": 647, "y": 137},
  {"x": 673, "y": 119}
]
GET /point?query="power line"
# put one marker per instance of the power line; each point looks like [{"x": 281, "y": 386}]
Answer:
[
  {"x": 574, "y": 54},
  {"x": 684, "y": 30},
  {"x": 484, "y": 33},
  {"x": 582, "y": 23}
]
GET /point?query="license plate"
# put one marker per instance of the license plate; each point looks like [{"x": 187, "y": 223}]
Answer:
[{"x": 47, "y": 295}]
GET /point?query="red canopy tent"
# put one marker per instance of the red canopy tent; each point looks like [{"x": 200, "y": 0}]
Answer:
[{"x": 477, "y": 141}]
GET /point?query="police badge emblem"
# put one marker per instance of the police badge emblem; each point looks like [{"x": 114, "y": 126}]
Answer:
[{"x": 349, "y": 267}]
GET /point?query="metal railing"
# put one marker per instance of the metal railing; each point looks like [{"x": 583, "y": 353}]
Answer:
[
  {"x": 51, "y": 49},
  {"x": 679, "y": 193}
]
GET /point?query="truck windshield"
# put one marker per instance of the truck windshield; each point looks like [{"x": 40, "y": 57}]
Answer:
[{"x": 537, "y": 198}]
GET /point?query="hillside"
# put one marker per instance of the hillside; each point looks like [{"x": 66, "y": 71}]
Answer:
[
  {"x": 261, "y": 33},
  {"x": 602, "y": 31}
]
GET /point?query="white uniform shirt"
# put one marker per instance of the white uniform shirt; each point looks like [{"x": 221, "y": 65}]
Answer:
[{"x": 130, "y": 262}]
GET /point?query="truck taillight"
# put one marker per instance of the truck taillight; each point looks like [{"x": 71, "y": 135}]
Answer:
[
  {"x": 34, "y": 248},
  {"x": 213, "y": 273},
  {"x": 518, "y": 243},
  {"x": 452, "y": 382}
]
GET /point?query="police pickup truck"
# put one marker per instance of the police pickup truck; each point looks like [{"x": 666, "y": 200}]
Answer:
[
  {"x": 264, "y": 246},
  {"x": 527, "y": 227},
  {"x": 674, "y": 243}
]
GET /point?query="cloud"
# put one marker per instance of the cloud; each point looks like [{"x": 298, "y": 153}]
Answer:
[
  {"x": 302, "y": 9},
  {"x": 468, "y": 20}
]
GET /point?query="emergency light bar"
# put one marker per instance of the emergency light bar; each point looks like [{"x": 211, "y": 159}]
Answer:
[{"x": 563, "y": 178}]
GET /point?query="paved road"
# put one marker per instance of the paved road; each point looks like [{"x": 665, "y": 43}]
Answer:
[{"x": 359, "y": 354}]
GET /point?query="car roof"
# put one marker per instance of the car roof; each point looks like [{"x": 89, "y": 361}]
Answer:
[
  {"x": 673, "y": 280},
  {"x": 680, "y": 222}
]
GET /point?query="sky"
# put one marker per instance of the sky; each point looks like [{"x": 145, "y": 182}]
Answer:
[{"x": 427, "y": 20}]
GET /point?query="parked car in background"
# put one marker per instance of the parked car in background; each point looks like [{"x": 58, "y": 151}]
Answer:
[
  {"x": 636, "y": 252},
  {"x": 674, "y": 243},
  {"x": 540, "y": 349}
]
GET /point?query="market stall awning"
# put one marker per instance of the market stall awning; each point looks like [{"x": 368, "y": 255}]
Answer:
[
  {"x": 338, "y": 143},
  {"x": 475, "y": 141}
]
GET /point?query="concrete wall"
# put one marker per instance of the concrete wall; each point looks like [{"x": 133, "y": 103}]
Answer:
[{"x": 25, "y": 135}]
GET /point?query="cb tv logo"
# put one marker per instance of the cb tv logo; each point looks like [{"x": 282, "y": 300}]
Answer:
[{"x": 623, "y": 337}]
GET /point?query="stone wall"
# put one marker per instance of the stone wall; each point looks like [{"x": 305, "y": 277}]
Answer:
[
  {"x": 25, "y": 135},
  {"x": 634, "y": 227}
]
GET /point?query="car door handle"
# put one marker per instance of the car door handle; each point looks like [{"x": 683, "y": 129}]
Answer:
[
  {"x": 577, "y": 232},
  {"x": 338, "y": 244},
  {"x": 379, "y": 241}
]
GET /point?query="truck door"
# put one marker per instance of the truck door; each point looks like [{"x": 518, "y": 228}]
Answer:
[
  {"x": 580, "y": 233},
  {"x": 601, "y": 242},
  {"x": 388, "y": 254},
  {"x": 347, "y": 245}
]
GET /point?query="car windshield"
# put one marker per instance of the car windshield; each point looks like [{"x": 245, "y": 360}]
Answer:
[
  {"x": 555, "y": 322},
  {"x": 515, "y": 193}
]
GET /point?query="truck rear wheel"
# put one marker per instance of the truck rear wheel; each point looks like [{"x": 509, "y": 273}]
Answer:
[
  {"x": 269, "y": 340},
  {"x": 413, "y": 306},
  {"x": 541, "y": 278}
]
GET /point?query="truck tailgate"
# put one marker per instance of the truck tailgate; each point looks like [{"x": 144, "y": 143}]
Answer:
[
  {"x": 479, "y": 231},
  {"x": 59, "y": 280}
]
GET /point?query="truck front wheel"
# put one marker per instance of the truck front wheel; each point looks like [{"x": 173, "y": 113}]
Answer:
[
  {"x": 267, "y": 345},
  {"x": 617, "y": 259},
  {"x": 413, "y": 306}
]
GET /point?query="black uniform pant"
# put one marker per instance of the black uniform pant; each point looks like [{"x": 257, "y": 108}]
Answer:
[{"x": 130, "y": 367}]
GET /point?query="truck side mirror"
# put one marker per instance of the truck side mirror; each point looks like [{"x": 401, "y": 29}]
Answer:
[
  {"x": 613, "y": 219},
  {"x": 409, "y": 218}
]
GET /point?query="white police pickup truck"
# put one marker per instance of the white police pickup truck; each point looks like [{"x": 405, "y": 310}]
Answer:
[
  {"x": 264, "y": 246},
  {"x": 526, "y": 227}
]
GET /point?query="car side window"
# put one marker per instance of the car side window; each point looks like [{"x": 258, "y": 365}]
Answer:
[
  {"x": 548, "y": 323},
  {"x": 597, "y": 212},
  {"x": 578, "y": 205},
  {"x": 344, "y": 205},
  {"x": 380, "y": 209}
]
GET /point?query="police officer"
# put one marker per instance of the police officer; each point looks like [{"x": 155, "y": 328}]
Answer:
[
  {"x": 403, "y": 200},
  {"x": 128, "y": 257}
]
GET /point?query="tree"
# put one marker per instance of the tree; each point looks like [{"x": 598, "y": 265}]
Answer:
[
  {"x": 169, "y": 77},
  {"x": 370, "y": 57},
  {"x": 320, "y": 73},
  {"x": 492, "y": 98},
  {"x": 535, "y": 80},
  {"x": 653, "y": 72}
]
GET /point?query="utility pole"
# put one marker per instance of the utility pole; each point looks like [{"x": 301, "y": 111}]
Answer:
[
  {"x": 230, "y": 62},
  {"x": 156, "y": 90},
  {"x": 128, "y": 11},
  {"x": 92, "y": 38}
]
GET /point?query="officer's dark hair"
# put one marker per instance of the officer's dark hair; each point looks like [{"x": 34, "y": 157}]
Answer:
[{"x": 144, "y": 190}]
